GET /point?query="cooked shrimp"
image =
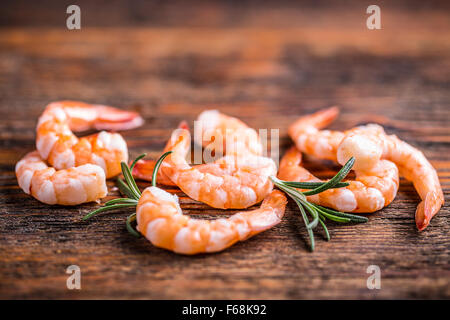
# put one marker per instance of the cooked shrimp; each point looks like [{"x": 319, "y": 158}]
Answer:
[
  {"x": 67, "y": 187},
  {"x": 309, "y": 139},
  {"x": 143, "y": 169},
  {"x": 161, "y": 221},
  {"x": 217, "y": 133},
  {"x": 371, "y": 142},
  {"x": 372, "y": 189},
  {"x": 62, "y": 149},
  {"x": 229, "y": 182},
  {"x": 226, "y": 135},
  {"x": 369, "y": 145}
]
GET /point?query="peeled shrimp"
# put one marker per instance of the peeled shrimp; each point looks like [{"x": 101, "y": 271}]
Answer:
[
  {"x": 217, "y": 133},
  {"x": 369, "y": 145},
  {"x": 161, "y": 221},
  {"x": 372, "y": 189},
  {"x": 411, "y": 163},
  {"x": 229, "y": 182},
  {"x": 226, "y": 135},
  {"x": 237, "y": 180},
  {"x": 143, "y": 169},
  {"x": 307, "y": 136},
  {"x": 57, "y": 144},
  {"x": 68, "y": 187}
]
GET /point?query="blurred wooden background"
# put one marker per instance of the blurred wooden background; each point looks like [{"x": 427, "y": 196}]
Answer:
[{"x": 265, "y": 62}]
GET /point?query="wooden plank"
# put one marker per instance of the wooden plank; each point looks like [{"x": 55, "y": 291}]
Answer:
[{"x": 267, "y": 77}]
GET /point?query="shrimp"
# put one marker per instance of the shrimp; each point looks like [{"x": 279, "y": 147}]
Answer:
[
  {"x": 371, "y": 191},
  {"x": 369, "y": 145},
  {"x": 229, "y": 182},
  {"x": 57, "y": 144},
  {"x": 371, "y": 142},
  {"x": 143, "y": 169},
  {"x": 226, "y": 135},
  {"x": 307, "y": 136},
  {"x": 67, "y": 187},
  {"x": 216, "y": 132},
  {"x": 161, "y": 221}
]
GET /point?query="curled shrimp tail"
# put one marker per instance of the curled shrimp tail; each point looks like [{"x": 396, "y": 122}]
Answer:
[
  {"x": 324, "y": 117},
  {"x": 183, "y": 125},
  {"x": 277, "y": 201},
  {"x": 318, "y": 120},
  {"x": 428, "y": 208},
  {"x": 292, "y": 159},
  {"x": 143, "y": 170},
  {"x": 110, "y": 118},
  {"x": 415, "y": 167}
]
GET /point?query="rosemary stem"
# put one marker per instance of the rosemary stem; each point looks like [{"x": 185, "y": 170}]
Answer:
[
  {"x": 157, "y": 165},
  {"x": 108, "y": 208},
  {"x": 130, "y": 180},
  {"x": 335, "y": 180},
  {"x": 131, "y": 218},
  {"x": 123, "y": 187},
  {"x": 136, "y": 160}
]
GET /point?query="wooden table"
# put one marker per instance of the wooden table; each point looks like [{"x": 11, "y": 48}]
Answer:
[{"x": 266, "y": 65}]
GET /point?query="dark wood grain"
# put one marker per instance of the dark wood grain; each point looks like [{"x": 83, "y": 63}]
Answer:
[{"x": 267, "y": 74}]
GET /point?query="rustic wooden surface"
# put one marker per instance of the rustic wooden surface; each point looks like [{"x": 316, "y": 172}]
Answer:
[{"x": 266, "y": 65}]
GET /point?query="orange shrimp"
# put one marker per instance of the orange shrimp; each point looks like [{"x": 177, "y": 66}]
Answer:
[
  {"x": 79, "y": 167},
  {"x": 226, "y": 135},
  {"x": 369, "y": 145},
  {"x": 57, "y": 144},
  {"x": 161, "y": 221},
  {"x": 218, "y": 133},
  {"x": 372, "y": 189},
  {"x": 229, "y": 182},
  {"x": 67, "y": 187},
  {"x": 411, "y": 162}
]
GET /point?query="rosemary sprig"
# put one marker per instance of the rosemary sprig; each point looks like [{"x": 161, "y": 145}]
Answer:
[
  {"x": 131, "y": 190},
  {"x": 318, "y": 213},
  {"x": 312, "y": 185}
]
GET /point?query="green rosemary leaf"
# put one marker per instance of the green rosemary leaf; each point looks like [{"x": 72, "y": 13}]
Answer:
[
  {"x": 136, "y": 160},
  {"x": 311, "y": 185},
  {"x": 335, "y": 180},
  {"x": 131, "y": 218},
  {"x": 327, "y": 234},
  {"x": 123, "y": 187},
  {"x": 121, "y": 200},
  {"x": 314, "y": 213},
  {"x": 130, "y": 180},
  {"x": 352, "y": 217},
  {"x": 333, "y": 217},
  {"x": 292, "y": 192},
  {"x": 157, "y": 165},
  {"x": 306, "y": 222},
  {"x": 108, "y": 208}
]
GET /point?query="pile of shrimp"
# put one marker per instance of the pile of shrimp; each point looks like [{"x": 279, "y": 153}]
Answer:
[
  {"x": 68, "y": 170},
  {"x": 379, "y": 158},
  {"x": 237, "y": 180}
]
